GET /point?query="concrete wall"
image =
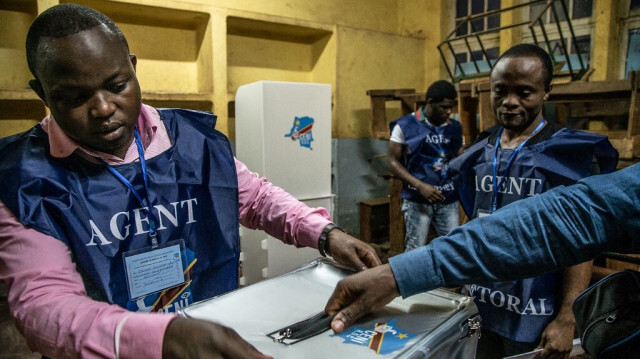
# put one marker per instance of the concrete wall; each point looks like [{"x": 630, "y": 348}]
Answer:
[{"x": 358, "y": 165}]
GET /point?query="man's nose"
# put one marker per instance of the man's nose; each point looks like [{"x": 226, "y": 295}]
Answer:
[
  {"x": 511, "y": 100},
  {"x": 102, "y": 105}
]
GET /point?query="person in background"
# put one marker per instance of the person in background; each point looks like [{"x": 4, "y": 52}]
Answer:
[
  {"x": 110, "y": 208},
  {"x": 526, "y": 156},
  {"x": 421, "y": 143}
]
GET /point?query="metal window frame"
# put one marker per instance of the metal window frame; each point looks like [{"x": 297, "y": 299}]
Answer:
[{"x": 537, "y": 21}]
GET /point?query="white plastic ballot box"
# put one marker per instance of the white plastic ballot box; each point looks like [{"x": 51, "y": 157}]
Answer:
[
  {"x": 432, "y": 325},
  {"x": 283, "y": 132}
]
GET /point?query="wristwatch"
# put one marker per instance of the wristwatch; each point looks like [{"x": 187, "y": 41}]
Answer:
[{"x": 323, "y": 243}]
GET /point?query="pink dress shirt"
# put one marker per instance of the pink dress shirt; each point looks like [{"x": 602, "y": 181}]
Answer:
[{"x": 46, "y": 294}]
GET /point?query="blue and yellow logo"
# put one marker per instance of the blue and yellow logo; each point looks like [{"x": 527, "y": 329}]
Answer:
[
  {"x": 382, "y": 338},
  {"x": 301, "y": 131}
]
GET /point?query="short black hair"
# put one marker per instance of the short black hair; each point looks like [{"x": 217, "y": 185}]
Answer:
[
  {"x": 63, "y": 20},
  {"x": 531, "y": 50},
  {"x": 440, "y": 90}
]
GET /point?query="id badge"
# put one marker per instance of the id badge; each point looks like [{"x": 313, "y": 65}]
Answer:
[
  {"x": 150, "y": 270},
  {"x": 483, "y": 213}
]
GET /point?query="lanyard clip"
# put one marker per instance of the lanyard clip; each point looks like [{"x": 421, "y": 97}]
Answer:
[{"x": 153, "y": 234}]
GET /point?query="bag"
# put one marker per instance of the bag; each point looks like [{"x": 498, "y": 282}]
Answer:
[{"x": 608, "y": 316}]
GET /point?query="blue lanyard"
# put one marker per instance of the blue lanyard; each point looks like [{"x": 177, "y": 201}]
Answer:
[
  {"x": 152, "y": 222},
  {"x": 423, "y": 118},
  {"x": 496, "y": 185}
]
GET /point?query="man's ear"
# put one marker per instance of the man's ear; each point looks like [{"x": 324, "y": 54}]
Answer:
[
  {"x": 36, "y": 86},
  {"x": 134, "y": 60},
  {"x": 546, "y": 92}
]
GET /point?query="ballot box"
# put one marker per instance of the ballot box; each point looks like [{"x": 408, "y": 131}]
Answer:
[{"x": 435, "y": 324}]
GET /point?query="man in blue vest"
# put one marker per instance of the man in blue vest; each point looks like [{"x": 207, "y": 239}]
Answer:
[
  {"x": 110, "y": 207},
  {"x": 421, "y": 143},
  {"x": 526, "y": 156}
]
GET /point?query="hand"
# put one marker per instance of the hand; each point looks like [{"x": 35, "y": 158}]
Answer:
[
  {"x": 194, "y": 339},
  {"x": 431, "y": 193},
  {"x": 557, "y": 340},
  {"x": 350, "y": 251},
  {"x": 360, "y": 294}
]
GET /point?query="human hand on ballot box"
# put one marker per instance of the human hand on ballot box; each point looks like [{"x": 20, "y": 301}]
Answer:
[
  {"x": 351, "y": 251},
  {"x": 359, "y": 294},
  {"x": 195, "y": 339}
]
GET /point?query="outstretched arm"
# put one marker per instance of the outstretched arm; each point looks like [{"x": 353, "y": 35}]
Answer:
[
  {"x": 561, "y": 227},
  {"x": 270, "y": 208}
]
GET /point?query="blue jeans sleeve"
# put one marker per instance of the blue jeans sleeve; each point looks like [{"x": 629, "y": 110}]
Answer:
[{"x": 556, "y": 229}]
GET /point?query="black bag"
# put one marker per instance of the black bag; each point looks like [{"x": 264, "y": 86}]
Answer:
[{"x": 608, "y": 316}]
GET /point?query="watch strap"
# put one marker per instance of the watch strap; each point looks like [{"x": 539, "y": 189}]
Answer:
[{"x": 323, "y": 243}]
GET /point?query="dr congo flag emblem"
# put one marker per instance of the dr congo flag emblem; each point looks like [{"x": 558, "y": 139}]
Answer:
[
  {"x": 301, "y": 131},
  {"x": 382, "y": 338}
]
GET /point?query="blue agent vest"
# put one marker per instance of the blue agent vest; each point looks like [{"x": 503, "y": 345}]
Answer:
[
  {"x": 520, "y": 310},
  {"x": 194, "y": 193},
  {"x": 429, "y": 149}
]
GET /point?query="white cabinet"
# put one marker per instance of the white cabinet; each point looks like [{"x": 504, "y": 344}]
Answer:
[{"x": 283, "y": 132}]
